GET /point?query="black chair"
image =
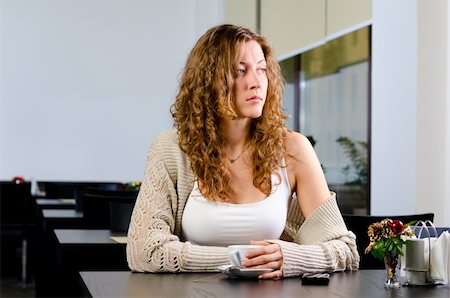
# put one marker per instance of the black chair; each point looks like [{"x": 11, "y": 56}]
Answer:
[
  {"x": 120, "y": 216},
  {"x": 359, "y": 224},
  {"x": 97, "y": 206},
  {"x": 70, "y": 189},
  {"x": 74, "y": 189},
  {"x": 16, "y": 229},
  {"x": 110, "y": 188},
  {"x": 422, "y": 233}
]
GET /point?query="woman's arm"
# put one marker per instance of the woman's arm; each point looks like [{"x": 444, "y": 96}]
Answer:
[
  {"x": 305, "y": 174},
  {"x": 152, "y": 244},
  {"x": 322, "y": 243}
]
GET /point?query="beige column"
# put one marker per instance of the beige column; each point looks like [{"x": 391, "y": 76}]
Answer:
[{"x": 433, "y": 117}]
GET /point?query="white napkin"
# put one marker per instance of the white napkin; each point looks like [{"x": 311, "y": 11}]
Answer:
[
  {"x": 440, "y": 259},
  {"x": 422, "y": 253}
]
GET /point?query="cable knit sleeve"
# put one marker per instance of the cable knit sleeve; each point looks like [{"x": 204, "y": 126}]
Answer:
[
  {"x": 153, "y": 245},
  {"x": 321, "y": 244}
]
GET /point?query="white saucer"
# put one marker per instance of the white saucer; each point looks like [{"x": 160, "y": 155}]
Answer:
[{"x": 237, "y": 272}]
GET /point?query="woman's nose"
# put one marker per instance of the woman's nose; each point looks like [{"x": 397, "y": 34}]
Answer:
[{"x": 254, "y": 80}]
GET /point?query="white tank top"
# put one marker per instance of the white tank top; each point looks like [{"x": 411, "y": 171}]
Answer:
[{"x": 212, "y": 223}]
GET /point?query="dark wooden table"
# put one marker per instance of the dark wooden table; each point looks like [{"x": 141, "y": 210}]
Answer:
[
  {"x": 46, "y": 258},
  {"x": 363, "y": 283},
  {"x": 61, "y": 218},
  {"x": 44, "y": 203},
  {"x": 80, "y": 249}
]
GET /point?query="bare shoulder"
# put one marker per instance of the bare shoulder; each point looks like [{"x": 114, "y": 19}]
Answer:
[
  {"x": 298, "y": 146},
  {"x": 305, "y": 171}
]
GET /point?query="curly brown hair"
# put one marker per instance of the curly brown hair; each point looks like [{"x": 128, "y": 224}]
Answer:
[{"x": 206, "y": 94}]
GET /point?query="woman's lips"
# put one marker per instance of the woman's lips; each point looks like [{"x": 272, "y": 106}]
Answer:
[{"x": 254, "y": 98}]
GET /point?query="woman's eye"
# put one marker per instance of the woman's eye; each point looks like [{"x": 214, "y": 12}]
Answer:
[
  {"x": 241, "y": 71},
  {"x": 262, "y": 69}
]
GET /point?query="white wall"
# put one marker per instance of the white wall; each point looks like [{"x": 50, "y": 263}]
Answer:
[
  {"x": 432, "y": 107},
  {"x": 447, "y": 160},
  {"x": 410, "y": 104},
  {"x": 394, "y": 47},
  {"x": 86, "y": 85}
]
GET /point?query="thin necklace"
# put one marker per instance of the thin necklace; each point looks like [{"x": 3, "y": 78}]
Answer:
[{"x": 232, "y": 160}]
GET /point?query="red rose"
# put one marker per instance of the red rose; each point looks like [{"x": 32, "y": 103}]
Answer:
[{"x": 397, "y": 226}]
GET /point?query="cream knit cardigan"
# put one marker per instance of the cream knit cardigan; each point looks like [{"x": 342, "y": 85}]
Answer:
[{"x": 318, "y": 243}]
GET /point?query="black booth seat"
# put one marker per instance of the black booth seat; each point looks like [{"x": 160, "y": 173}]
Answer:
[{"x": 359, "y": 225}]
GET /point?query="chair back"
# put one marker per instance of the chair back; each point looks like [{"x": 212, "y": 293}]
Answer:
[
  {"x": 359, "y": 225},
  {"x": 70, "y": 189},
  {"x": 15, "y": 203},
  {"x": 106, "y": 189},
  {"x": 97, "y": 206},
  {"x": 120, "y": 216}
]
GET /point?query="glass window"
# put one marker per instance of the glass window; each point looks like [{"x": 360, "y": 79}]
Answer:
[{"x": 327, "y": 95}]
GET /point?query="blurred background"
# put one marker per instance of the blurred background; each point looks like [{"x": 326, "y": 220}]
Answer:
[{"x": 85, "y": 86}]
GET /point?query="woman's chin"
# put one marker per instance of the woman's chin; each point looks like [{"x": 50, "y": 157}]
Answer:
[{"x": 253, "y": 114}]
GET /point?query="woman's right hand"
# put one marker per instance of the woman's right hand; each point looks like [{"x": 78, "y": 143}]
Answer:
[{"x": 268, "y": 256}]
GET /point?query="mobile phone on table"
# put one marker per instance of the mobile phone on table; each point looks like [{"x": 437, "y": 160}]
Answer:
[{"x": 316, "y": 279}]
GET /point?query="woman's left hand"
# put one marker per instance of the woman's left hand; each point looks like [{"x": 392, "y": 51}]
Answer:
[{"x": 268, "y": 256}]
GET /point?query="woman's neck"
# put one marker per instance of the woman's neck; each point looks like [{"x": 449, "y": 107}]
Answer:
[{"x": 236, "y": 133}]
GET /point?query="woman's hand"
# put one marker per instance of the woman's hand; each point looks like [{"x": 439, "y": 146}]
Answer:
[{"x": 268, "y": 256}]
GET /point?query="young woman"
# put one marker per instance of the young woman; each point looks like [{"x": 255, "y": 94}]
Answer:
[{"x": 232, "y": 173}]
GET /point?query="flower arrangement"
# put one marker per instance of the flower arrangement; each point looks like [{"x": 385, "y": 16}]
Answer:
[{"x": 388, "y": 236}]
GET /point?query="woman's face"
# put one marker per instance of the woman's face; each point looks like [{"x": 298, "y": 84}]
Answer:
[{"x": 250, "y": 82}]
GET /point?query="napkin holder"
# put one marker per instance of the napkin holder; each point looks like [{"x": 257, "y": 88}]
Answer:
[{"x": 418, "y": 256}]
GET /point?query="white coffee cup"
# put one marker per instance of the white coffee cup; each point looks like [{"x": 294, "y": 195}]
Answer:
[{"x": 236, "y": 253}]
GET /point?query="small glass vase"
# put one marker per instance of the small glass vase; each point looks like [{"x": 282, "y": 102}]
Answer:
[{"x": 392, "y": 263}]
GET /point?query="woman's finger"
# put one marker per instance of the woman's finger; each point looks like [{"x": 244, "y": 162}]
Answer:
[
  {"x": 263, "y": 259},
  {"x": 271, "y": 265},
  {"x": 266, "y": 249},
  {"x": 268, "y": 256},
  {"x": 278, "y": 274}
]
